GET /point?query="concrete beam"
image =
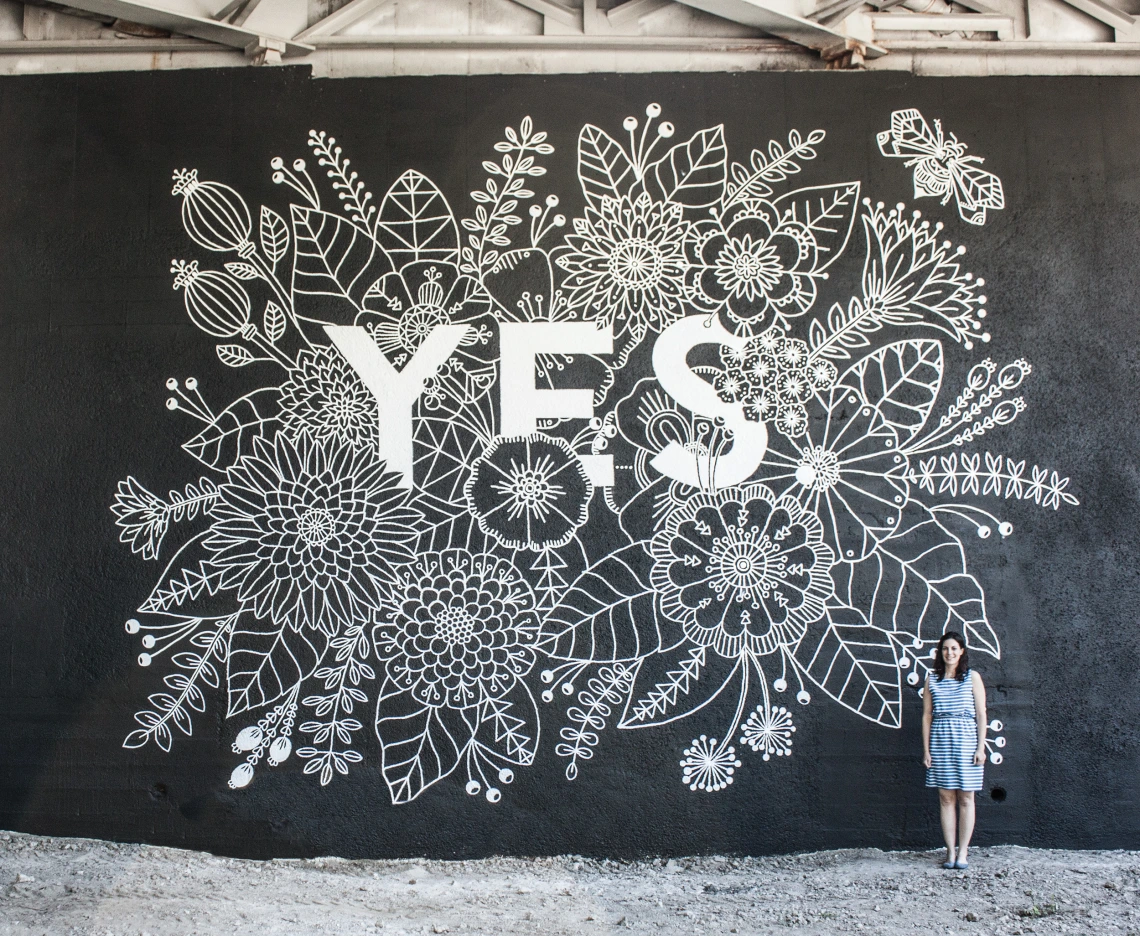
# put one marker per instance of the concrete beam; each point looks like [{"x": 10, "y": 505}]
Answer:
[
  {"x": 357, "y": 56},
  {"x": 765, "y": 16},
  {"x": 834, "y": 12},
  {"x": 976, "y": 6},
  {"x": 527, "y": 45},
  {"x": 942, "y": 22},
  {"x": 236, "y": 12},
  {"x": 235, "y": 37},
  {"x": 564, "y": 15},
  {"x": 341, "y": 19},
  {"x": 633, "y": 10},
  {"x": 1105, "y": 12}
]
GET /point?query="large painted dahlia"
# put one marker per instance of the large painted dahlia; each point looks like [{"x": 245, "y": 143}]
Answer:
[{"x": 308, "y": 531}]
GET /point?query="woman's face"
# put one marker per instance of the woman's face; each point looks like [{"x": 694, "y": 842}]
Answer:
[{"x": 951, "y": 653}]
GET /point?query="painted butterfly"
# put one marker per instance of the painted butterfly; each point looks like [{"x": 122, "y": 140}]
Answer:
[{"x": 941, "y": 166}]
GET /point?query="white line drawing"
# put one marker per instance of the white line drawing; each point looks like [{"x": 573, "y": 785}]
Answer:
[
  {"x": 642, "y": 465},
  {"x": 941, "y": 167}
]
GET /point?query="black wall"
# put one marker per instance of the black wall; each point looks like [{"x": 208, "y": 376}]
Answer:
[{"x": 91, "y": 331}]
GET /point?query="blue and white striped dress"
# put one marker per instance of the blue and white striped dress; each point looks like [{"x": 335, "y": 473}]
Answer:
[{"x": 953, "y": 735}]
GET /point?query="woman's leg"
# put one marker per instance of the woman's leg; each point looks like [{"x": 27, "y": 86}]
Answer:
[
  {"x": 965, "y": 823},
  {"x": 948, "y": 809}
]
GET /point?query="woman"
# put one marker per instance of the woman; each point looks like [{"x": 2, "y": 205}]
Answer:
[{"x": 954, "y": 738}]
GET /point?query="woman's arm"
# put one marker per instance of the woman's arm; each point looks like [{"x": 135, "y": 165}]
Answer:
[
  {"x": 980, "y": 714},
  {"x": 927, "y": 718}
]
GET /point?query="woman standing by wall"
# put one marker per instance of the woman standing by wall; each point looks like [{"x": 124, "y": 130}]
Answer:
[{"x": 954, "y": 738}]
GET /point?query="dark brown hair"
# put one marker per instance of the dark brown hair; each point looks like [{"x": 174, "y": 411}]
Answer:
[{"x": 963, "y": 661}]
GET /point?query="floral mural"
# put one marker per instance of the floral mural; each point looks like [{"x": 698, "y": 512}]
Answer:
[{"x": 695, "y": 452}]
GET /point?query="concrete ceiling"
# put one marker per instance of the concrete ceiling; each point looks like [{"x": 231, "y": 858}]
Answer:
[{"x": 362, "y": 37}]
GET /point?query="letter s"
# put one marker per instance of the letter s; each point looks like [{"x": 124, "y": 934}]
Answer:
[{"x": 749, "y": 439}]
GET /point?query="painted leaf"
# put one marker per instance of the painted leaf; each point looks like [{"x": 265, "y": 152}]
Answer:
[
  {"x": 235, "y": 355},
  {"x": 443, "y": 450},
  {"x": 335, "y": 263},
  {"x": 919, "y": 585},
  {"x": 848, "y": 329},
  {"x": 190, "y": 585},
  {"x": 854, "y": 664},
  {"x": 609, "y": 613},
  {"x": 136, "y": 739},
  {"x": 231, "y": 434},
  {"x": 746, "y": 183},
  {"x": 828, "y": 211},
  {"x": 550, "y": 574},
  {"x": 274, "y": 321},
  {"x": 691, "y": 173},
  {"x": 416, "y": 223},
  {"x": 274, "y": 235},
  {"x": 420, "y": 745},
  {"x": 509, "y": 726},
  {"x": 267, "y": 660},
  {"x": 442, "y": 454},
  {"x": 645, "y": 511},
  {"x": 603, "y": 167},
  {"x": 448, "y": 529},
  {"x": 243, "y": 271},
  {"x": 901, "y": 381},
  {"x": 674, "y": 684}
]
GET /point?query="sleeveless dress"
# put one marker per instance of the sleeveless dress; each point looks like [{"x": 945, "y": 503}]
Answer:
[{"x": 953, "y": 735}]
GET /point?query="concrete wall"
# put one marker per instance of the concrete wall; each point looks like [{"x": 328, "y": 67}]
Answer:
[{"x": 912, "y": 448}]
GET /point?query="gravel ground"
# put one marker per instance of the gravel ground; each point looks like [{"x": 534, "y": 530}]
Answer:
[{"x": 77, "y": 886}]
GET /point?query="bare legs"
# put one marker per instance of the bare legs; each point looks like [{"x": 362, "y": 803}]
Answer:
[
  {"x": 948, "y": 809},
  {"x": 965, "y": 823},
  {"x": 956, "y": 809}
]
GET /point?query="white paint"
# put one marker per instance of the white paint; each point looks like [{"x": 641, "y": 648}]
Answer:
[
  {"x": 599, "y": 469},
  {"x": 750, "y": 439},
  {"x": 809, "y": 537},
  {"x": 396, "y": 391},
  {"x": 523, "y": 405},
  {"x": 941, "y": 167}
]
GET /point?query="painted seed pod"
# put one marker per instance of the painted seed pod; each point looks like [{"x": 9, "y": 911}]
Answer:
[
  {"x": 214, "y": 215},
  {"x": 279, "y": 750},
  {"x": 215, "y": 301},
  {"x": 241, "y": 776},
  {"x": 249, "y": 738}
]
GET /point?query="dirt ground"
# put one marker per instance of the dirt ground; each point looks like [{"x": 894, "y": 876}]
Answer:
[{"x": 77, "y": 886}]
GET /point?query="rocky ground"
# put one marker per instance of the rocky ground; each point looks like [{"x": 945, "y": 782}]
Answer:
[{"x": 77, "y": 886}]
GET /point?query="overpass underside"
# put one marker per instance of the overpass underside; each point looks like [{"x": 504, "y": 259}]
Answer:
[{"x": 435, "y": 37}]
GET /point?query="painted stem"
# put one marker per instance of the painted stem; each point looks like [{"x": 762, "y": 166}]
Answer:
[{"x": 224, "y": 628}]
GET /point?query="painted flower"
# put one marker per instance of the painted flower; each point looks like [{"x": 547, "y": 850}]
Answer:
[
  {"x": 769, "y": 730},
  {"x": 529, "y": 492},
  {"x": 708, "y": 767},
  {"x": 308, "y": 531},
  {"x": 626, "y": 262},
  {"x": 402, "y": 308},
  {"x": 143, "y": 517},
  {"x": 648, "y": 420},
  {"x": 521, "y": 284},
  {"x": 844, "y": 466},
  {"x": 753, "y": 261},
  {"x": 774, "y": 376},
  {"x": 457, "y": 628},
  {"x": 741, "y": 570},
  {"x": 325, "y": 399}
]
